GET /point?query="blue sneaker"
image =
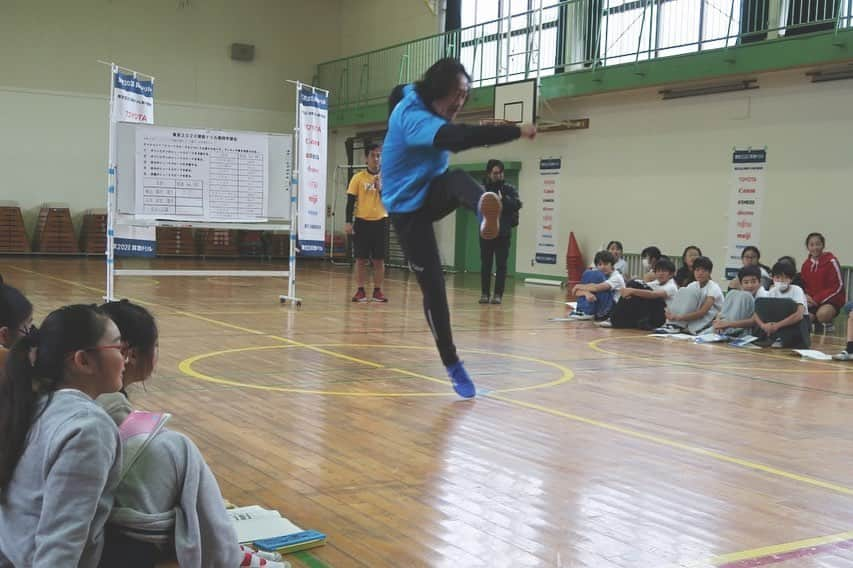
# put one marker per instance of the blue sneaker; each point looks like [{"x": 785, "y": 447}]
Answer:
[{"x": 462, "y": 383}]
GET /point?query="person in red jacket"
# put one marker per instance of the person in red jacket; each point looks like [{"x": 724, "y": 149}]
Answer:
[{"x": 823, "y": 283}]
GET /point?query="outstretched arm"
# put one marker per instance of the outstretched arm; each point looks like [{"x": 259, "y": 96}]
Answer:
[{"x": 458, "y": 137}]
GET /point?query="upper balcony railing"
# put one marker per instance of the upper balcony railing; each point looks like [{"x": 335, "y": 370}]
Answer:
[{"x": 575, "y": 35}]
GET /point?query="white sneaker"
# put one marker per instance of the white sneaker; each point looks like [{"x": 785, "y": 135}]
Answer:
[
  {"x": 580, "y": 316},
  {"x": 843, "y": 356},
  {"x": 605, "y": 323},
  {"x": 777, "y": 344}
]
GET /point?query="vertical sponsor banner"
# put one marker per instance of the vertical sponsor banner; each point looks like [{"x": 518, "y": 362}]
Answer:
[
  {"x": 313, "y": 148},
  {"x": 549, "y": 190},
  {"x": 133, "y": 101},
  {"x": 748, "y": 178}
]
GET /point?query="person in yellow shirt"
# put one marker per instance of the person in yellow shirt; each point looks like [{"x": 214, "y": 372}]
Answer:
[{"x": 369, "y": 227}]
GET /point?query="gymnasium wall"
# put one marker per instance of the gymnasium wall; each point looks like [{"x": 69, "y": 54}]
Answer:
[
  {"x": 658, "y": 172},
  {"x": 53, "y": 94},
  {"x": 376, "y": 24}
]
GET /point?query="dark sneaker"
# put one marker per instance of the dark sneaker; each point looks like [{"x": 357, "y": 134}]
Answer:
[
  {"x": 484, "y": 299},
  {"x": 489, "y": 211}
]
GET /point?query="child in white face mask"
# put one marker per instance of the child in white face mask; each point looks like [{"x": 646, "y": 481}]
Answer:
[{"x": 780, "y": 316}]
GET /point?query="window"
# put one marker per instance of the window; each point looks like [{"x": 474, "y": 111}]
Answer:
[{"x": 501, "y": 41}]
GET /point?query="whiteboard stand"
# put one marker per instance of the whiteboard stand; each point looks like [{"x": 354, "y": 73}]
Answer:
[{"x": 124, "y": 154}]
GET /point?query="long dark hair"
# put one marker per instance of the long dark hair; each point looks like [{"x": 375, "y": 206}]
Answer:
[
  {"x": 15, "y": 309},
  {"x": 136, "y": 325},
  {"x": 440, "y": 80},
  {"x": 63, "y": 332}
]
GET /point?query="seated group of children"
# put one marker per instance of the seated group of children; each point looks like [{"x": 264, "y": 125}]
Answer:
[
  {"x": 778, "y": 317},
  {"x": 66, "y": 496}
]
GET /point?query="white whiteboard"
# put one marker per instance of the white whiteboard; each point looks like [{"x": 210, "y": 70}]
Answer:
[{"x": 192, "y": 174}]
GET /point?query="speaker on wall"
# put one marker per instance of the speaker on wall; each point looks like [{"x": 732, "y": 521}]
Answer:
[{"x": 242, "y": 52}]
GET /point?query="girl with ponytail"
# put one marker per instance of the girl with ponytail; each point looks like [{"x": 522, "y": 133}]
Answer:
[{"x": 60, "y": 452}]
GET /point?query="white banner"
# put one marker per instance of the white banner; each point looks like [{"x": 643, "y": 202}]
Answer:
[
  {"x": 548, "y": 208},
  {"x": 133, "y": 101},
  {"x": 313, "y": 149},
  {"x": 748, "y": 171}
]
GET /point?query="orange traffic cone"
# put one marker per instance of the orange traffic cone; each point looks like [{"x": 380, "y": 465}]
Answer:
[{"x": 574, "y": 262}]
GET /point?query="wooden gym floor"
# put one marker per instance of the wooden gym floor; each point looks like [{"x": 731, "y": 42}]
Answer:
[{"x": 589, "y": 447}]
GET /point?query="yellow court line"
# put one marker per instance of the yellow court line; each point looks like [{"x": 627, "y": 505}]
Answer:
[
  {"x": 764, "y": 551},
  {"x": 679, "y": 445},
  {"x": 604, "y": 425},
  {"x": 780, "y": 548},
  {"x": 186, "y": 366},
  {"x": 594, "y": 345},
  {"x": 100, "y": 291}
]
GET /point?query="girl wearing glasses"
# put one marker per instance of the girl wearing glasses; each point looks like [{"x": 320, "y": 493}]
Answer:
[{"x": 60, "y": 453}]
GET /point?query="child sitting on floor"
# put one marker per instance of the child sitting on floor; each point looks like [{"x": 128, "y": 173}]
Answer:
[
  {"x": 738, "y": 310},
  {"x": 642, "y": 306},
  {"x": 696, "y": 305},
  {"x": 783, "y": 315},
  {"x": 598, "y": 290}
]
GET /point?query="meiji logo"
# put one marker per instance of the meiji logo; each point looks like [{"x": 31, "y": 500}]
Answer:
[
  {"x": 746, "y": 202},
  {"x": 314, "y": 199},
  {"x": 744, "y": 224},
  {"x": 746, "y": 190}
]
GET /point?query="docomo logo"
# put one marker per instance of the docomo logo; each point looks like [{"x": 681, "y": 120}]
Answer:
[
  {"x": 744, "y": 236},
  {"x": 746, "y": 190}
]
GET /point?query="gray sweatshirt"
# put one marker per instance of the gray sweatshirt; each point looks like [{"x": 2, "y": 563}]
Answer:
[
  {"x": 61, "y": 493},
  {"x": 170, "y": 497}
]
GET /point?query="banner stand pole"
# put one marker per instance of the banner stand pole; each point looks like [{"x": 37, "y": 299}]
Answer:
[
  {"x": 294, "y": 197},
  {"x": 112, "y": 207}
]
